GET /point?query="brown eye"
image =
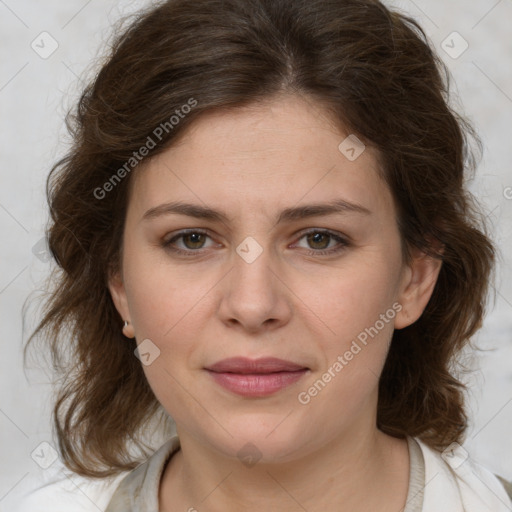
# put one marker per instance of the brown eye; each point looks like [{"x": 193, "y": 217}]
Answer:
[
  {"x": 193, "y": 240},
  {"x": 187, "y": 243},
  {"x": 318, "y": 240}
]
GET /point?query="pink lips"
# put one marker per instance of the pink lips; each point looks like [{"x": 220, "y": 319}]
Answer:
[{"x": 255, "y": 377}]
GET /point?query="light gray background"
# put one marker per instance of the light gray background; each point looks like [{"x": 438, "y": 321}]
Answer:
[{"x": 34, "y": 96}]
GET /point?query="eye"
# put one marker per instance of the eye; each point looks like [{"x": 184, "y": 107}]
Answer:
[
  {"x": 192, "y": 241},
  {"x": 321, "y": 241}
]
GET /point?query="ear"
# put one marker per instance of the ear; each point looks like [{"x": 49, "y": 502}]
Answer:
[
  {"x": 118, "y": 293},
  {"x": 419, "y": 279}
]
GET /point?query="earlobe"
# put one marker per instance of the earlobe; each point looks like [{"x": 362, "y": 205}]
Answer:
[
  {"x": 128, "y": 330},
  {"x": 418, "y": 285},
  {"x": 118, "y": 294}
]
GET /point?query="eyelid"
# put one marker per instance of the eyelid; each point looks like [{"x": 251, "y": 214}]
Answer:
[
  {"x": 166, "y": 242},
  {"x": 333, "y": 233},
  {"x": 343, "y": 240},
  {"x": 186, "y": 231}
]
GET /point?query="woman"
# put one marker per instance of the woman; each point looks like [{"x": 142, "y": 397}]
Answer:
[{"x": 263, "y": 234}]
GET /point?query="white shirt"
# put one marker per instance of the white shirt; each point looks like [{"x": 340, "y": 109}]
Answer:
[{"x": 437, "y": 483}]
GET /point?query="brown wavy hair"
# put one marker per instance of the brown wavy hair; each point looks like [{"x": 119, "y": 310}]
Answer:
[{"x": 374, "y": 70}]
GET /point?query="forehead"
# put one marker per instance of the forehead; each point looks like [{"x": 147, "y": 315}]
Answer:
[{"x": 267, "y": 155}]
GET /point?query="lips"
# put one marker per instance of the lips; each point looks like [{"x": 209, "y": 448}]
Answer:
[
  {"x": 263, "y": 365},
  {"x": 256, "y": 377}
]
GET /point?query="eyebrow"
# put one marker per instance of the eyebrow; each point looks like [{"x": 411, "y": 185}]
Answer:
[{"x": 337, "y": 206}]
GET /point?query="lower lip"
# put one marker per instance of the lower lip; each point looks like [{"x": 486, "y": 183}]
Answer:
[{"x": 257, "y": 385}]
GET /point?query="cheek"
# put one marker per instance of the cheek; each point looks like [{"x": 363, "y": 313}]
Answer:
[
  {"x": 164, "y": 298},
  {"x": 358, "y": 309},
  {"x": 353, "y": 298},
  {"x": 169, "y": 312},
  {"x": 174, "y": 392}
]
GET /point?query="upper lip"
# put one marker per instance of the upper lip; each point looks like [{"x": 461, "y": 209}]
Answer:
[{"x": 261, "y": 365}]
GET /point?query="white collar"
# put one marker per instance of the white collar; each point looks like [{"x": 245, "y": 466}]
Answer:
[{"x": 455, "y": 483}]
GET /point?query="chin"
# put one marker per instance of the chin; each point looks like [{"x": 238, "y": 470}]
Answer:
[{"x": 267, "y": 438}]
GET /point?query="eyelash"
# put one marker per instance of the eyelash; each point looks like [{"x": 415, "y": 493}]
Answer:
[{"x": 343, "y": 242}]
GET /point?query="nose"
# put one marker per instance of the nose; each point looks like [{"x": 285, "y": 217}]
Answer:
[{"x": 254, "y": 296}]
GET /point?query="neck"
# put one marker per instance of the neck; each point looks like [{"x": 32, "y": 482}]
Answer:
[{"x": 368, "y": 471}]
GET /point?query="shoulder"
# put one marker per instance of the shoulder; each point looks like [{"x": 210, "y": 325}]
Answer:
[
  {"x": 139, "y": 489},
  {"x": 455, "y": 477},
  {"x": 56, "y": 489}
]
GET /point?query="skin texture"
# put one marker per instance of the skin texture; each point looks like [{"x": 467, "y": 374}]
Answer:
[{"x": 290, "y": 302}]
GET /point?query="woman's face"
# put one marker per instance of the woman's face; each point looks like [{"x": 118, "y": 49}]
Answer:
[{"x": 301, "y": 261}]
